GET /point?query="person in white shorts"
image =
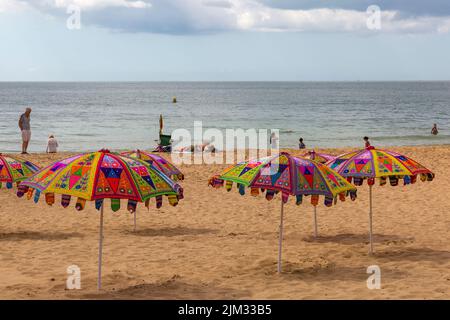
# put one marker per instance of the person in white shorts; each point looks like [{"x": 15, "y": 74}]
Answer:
[{"x": 24, "y": 125}]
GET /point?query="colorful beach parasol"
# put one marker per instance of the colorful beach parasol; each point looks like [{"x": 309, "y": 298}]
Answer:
[
  {"x": 98, "y": 176},
  {"x": 158, "y": 162},
  {"x": 319, "y": 157},
  {"x": 14, "y": 170},
  {"x": 322, "y": 158},
  {"x": 289, "y": 175},
  {"x": 373, "y": 163}
]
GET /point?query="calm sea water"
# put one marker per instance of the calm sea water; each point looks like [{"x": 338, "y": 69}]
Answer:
[{"x": 89, "y": 116}]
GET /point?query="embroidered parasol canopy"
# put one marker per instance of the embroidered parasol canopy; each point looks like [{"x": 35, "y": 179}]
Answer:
[
  {"x": 289, "y": 175},
  {"x": 101, "y": 175},
  {"x": 14, "y": 170},
  {"x": 370, "y": 164},
  {"x": 158, "y": 162}
]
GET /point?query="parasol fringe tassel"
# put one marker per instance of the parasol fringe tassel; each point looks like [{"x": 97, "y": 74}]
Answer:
[
  {"x": 98, "y": 204},
  {"x": 173, "y": 200},
  {"x": 115, "y": 205},
  {"x": 131, "y": 206},
  {"x": 254, "y": 192},
  {"x": 22, "y": 190},
  {"x": 284, "y": 197},
  {"x": 30, "y": 193},
  {"x": 65, "y": 200},
  {"x": 241, "y": 189},
  {"x": 314, "y": 199},
  {"x": 298, "y": 199},
  {"x": 37, "y": 194},
  {"x": 270, "y": 194},
  {"x": 328, "y": 201},
  {"x": 80, "y": 204},
  {"x": 159, "y": 201},
  {"x": 50, "y": 198}
]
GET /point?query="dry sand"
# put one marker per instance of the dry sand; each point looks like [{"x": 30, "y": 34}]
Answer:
[{"x": 219, "y": 245}]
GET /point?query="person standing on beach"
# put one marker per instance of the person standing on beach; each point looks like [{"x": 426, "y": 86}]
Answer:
[
  {"x": 25, "y": 128},
  {"x": 366, "y": 142},
  {"x": 434, "y": 130},
  {"x": 301, "y": 145}
]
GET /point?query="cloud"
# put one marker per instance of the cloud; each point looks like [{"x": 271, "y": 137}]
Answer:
[
  {"x": 212, "y": 16},
  {"x": 87, "y": 4},
  {"x": 11, "y": 5},
  {"x": 218, "y": 3},
  {"x": 405, "y": 7}
]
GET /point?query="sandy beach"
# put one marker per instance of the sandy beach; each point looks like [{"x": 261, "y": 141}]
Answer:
[{"x": 219, "y": 245}]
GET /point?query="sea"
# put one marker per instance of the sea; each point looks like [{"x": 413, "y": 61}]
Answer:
[{"x": 86, "y": 116}]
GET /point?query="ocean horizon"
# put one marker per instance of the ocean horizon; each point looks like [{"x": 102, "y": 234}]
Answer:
[{"x": 88, "y": 116}]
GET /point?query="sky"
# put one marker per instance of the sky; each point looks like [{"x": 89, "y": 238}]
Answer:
[{"x": 224, "y": 40}]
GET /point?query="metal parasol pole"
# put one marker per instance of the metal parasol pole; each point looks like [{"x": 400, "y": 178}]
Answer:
[
  {"x": 280, "y": 240},
  {"x": 370, "y": 221},
  {"x": 315, "y": 222},
  {"x": 135, "y": 220},
  {"x": 100, "y": 246}
]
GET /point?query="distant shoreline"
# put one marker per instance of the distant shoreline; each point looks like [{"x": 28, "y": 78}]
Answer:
[{"x": 223, "y": 81}]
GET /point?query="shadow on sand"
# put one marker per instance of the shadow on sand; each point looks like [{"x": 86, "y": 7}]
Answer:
[
  {"x": 170, "y": 232},
  {"x": 34, "y": 235},
  {"x": 172, "y": 289},
  {"x": 414, "y": 254},
  {"x": 318, "y": 270},
  {"x": 350, "y": 239}
]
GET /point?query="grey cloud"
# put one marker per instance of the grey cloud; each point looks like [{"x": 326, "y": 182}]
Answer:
[
  {"x": 218, "y": 3},
  {"x": 181, "y": 17},
  {"x": 163, "y": 16},
  {"x": 405, "y": 7}
]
